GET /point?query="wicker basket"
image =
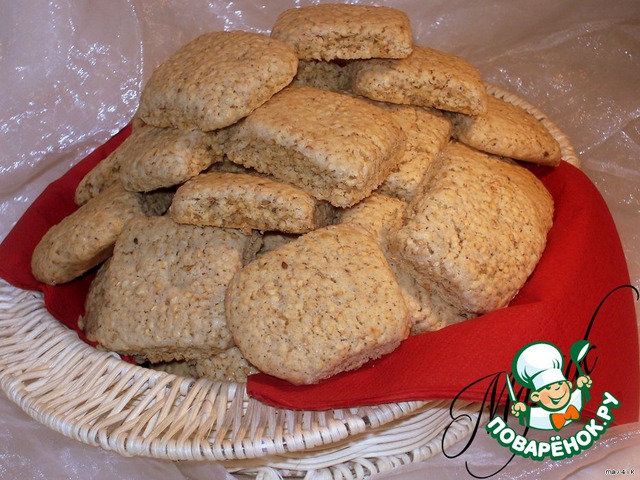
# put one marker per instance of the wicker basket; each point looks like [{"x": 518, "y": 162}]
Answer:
[{"x": 96, "y": 398}]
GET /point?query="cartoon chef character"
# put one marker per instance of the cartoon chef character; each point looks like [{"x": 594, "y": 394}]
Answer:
[{"x": 539, "y": 367}]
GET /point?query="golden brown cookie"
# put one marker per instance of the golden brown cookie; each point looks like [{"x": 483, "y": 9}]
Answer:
[
  {"x": 154, "y": 158},
  {"x": 324, "y": 303},
  {"x": 246, "y": 201},
  {"x": 476, "y": 230},
  {"x": 427, "y": 78},
  {"x": 216, "y": 79},
  {"x": 509, "y": 131},
  {"x": 345, "y": 31},
  {"x": 161, "y": 296},
  {"x": 335, "y": 147},
  {"x": 85, "y": 238}
]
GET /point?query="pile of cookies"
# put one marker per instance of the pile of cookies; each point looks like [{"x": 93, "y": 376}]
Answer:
[{"x": 299, "y": 203}]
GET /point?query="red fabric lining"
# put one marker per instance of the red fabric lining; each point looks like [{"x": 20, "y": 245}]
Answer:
[{"x": 583, "y": 262}]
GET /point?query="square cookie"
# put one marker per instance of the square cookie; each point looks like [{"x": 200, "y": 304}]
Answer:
[
  {"x": 333, "y": 146},
  {"x": 345, "y": 31},
  {"x": 248, "y": 202},
  {"x": 153, "y": 158},
  {"x": 476, "y": 230},
  {"x": 507, "y": 130},
  {"x": 324, "y": 303},
  {"x": 426, "y": 78},
  {"x": 161, "y": 296},
  {"x": 216, "y": 79}
]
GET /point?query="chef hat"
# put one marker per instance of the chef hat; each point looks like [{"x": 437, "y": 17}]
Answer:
[{"x": 537, "y": 365}]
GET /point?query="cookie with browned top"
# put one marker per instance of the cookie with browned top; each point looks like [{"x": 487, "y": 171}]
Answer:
[
  {"x": 156, "y": 158},
  {"x": 246, "y": 201},
  {"x": 427, "y": 132},
  {"x": 345, "y": 31},
  {"x": 476, "y": 230},
  {"x": 86, "y": 237},
  {"x": 324, "y": 303},
  {"x": 509, "y": 131},
  {"x": 427, "y": 78},
  {"x": 216, "y": 79},
  {"x": 427, "y": 310},
  {"x": 333, "y": 146},
  {"x": 161, "y": 296}
]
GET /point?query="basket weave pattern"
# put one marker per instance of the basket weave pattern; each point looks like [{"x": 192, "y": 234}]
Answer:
[{"x": 98, "y": 399}]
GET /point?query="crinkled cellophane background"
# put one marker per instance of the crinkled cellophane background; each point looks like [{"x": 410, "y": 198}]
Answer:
[{"x": 71, "y": 73}]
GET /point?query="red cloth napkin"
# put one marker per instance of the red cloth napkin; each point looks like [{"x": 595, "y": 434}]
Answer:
[
  {"x": 582, "y": 264},
  {"x": 65, "y": 302}
]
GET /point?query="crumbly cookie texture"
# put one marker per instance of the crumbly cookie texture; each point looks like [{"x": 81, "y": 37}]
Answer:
[
  {"x": 105, "y": 174},
  {"x": 342, "y": 31},
  {"x": 217, "y": 79},
  {"x": 324, "y": 303},
  {"x": 427, "y": 78},
  {"x": 427, "y": 310},
  {"x": 509, "y": 131},
  {"x": 335, "y": 147},
  {"x": 161, "y": 296},
  {"x": 476, "y": 230},
  {"x": 164, "y": 157},
  {"x": 85, "y": 238},
  {"x": 153, "y": 158},
  {"x": 245, "y": 201},
  {"x": 323, "y": 194},
  {"x": 333, "y": 76},
  {"x": 427, "y": 132},
  {"x": 227, "y": 366},
  {"x": 273, "y": 240},
  {"x": 156, "y": 202}
]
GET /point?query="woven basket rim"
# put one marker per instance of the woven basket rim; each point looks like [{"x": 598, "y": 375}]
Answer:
[{"x": 96, "y": 398}]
